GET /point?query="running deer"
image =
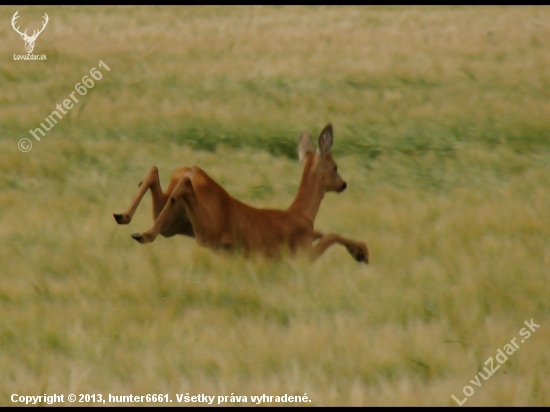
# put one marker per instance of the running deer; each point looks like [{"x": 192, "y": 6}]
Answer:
[{"x": 195, "y": 205}]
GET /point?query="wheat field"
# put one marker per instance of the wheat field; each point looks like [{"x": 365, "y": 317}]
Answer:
[{"x": 441, "y": 129}]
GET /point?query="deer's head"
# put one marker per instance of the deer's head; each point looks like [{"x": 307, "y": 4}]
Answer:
[
  {"x": 320, "y": 162},
  {"x": 29, "y": 40}
]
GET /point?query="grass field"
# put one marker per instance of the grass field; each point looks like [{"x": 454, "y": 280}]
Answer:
[{"x": 441, "y": 120}]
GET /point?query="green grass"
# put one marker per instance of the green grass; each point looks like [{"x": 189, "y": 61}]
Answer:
[{"x": 441, "y": 126}]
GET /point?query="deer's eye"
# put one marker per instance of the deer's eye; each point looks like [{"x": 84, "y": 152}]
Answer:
[{"x": 335, "y": 169}]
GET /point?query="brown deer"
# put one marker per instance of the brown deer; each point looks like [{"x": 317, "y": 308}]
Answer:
[{"x": 195, "y": 205}]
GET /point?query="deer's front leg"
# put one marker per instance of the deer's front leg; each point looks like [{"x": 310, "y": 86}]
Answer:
[{"x": 357, "y": 249}]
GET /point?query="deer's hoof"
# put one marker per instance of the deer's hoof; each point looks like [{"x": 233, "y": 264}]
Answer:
[
  {"x": 121, "y": 219},
  {"x": 361, "y": 257},
  {"x": 144, "y": 237},
  {"x": 138, "y": 237},
  {"x": 360, "y": 254}
]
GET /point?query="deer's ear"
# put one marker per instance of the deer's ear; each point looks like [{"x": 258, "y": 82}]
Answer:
[
  {"x": 305, "y": 146},
  {"x": 325, "y": 139}
]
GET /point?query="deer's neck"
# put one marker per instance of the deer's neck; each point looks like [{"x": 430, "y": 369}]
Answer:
[{"x": 310, "y": 194}]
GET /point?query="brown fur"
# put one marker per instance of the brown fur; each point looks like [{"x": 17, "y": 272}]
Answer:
[{"x": 197, "y": 206}]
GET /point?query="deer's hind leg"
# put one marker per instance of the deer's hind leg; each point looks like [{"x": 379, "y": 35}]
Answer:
[
  {"x": 169, "y": 214},
  {"x": 201, "y": 198},
  {"x": 201, "y": 207},
  {"x": 152, "y": 182}
]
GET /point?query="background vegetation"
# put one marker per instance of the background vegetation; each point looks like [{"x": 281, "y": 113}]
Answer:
[{"x": 442, "y": 131}]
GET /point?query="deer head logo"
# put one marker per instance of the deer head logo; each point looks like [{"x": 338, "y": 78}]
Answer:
[{"x": 29, "y": 40}]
